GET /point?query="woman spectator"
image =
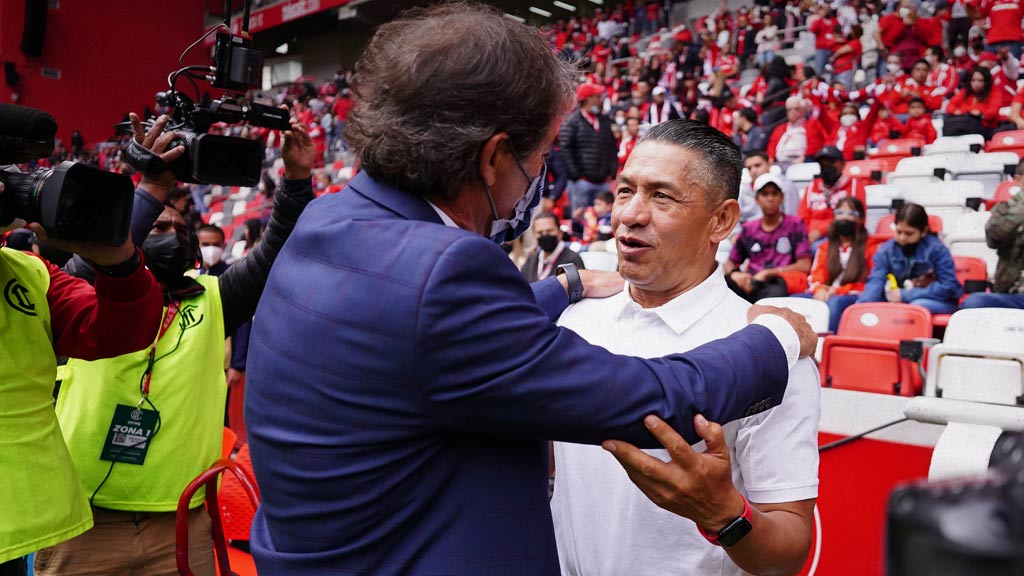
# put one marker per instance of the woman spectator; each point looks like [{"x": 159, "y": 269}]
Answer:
[
  {"x": 779, "y": 84},
  {"x": 976, "y": 100},
  {"x": 843, "y": 262},
  {"x": 921, "y": 265}
]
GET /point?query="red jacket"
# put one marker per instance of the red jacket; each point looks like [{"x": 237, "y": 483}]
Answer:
[
  {"x": 825, "y": 37},
  {"x": 964, "y": 103},
  {"x": 819, "y": 270},
  {"x": 1004, "y": 18},
  {"x": 816, "y": 206},
  {"x": 815, "y": 138},
  {"x": 920, "y": 127}
]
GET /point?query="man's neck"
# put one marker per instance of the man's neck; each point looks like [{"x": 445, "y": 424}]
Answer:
[
  {"x": 655, "y": 298},
  {"x": 769, "y": 223},
  {"x": 470, "y": 209}
]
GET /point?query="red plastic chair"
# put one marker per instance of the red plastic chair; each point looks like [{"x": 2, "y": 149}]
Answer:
[
  {"x": 208, "y": 479},
  {"x": 1004, "y": 192},
  {"x": 898, "y": 148},
  {"x": 865, "y": 353},
  {"x": 967, "y": 268},
  {"x": 885, "y": 227},
  {"x": 1011, "y": 141},
  {"x": 873, "y": 168},
  {"x": 229, "y": 443}
]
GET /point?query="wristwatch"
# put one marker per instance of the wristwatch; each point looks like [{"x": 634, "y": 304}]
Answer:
[
  {"x": 734, "y": 531},
  {"x": 572, "y": 276}
]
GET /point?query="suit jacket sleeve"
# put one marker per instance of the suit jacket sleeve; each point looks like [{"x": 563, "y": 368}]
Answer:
[{"x": 490, "y": 361}]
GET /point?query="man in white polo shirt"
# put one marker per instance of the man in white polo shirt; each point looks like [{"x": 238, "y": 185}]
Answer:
[{"x": 745, "y": 501}]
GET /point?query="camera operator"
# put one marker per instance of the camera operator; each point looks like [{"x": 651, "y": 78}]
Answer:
[
  {"x": 176, "y": 410},
  {"x": 47, "y": 313}
]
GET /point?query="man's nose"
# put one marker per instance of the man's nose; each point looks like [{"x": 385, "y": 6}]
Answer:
[{"x": 636, "y": 212}]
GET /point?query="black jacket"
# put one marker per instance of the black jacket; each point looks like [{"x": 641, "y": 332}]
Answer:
[
  {"x": 529, "y": 267},
  {"x": 588, "y": 153}
]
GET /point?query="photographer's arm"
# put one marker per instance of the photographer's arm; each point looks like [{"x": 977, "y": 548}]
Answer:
[{"x": 242, "y": 284}]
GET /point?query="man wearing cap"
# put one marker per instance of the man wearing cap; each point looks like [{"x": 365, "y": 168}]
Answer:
[
  {"x": 662, "y": 108},
  {"x": 825, "y": 191},
  {"x": 774, "y": 247},
  {"x": 588, "y": 148}
]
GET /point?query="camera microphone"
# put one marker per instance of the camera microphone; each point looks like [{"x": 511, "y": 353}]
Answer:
[{"x": 25, "y": 134}]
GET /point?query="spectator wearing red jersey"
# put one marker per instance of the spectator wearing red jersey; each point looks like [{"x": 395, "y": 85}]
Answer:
[
  {"x": 1004, "y": 18},
  {"x": 1003, "y": 87},
  {"x": 824, "y": 27},
  {"x": 846, "y": 58},
  {"x": 919, "y": 123},
  {"x": 977, "y": 100},
  {"x": 850, "y": 134},
  {"x": 797, "y": 139},
  {"x": 942, "y": 78},
  {"x": 823, "y": 194},
  {"x": 1015, "y": 110}
]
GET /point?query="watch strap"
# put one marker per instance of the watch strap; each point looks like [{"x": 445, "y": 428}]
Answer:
[
  {"x": 572, "y": 276},
  {"x": 735, "y": 530}
]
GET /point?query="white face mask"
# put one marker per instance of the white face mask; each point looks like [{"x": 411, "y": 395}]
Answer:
[
  {"x": 959, "y": 51},
  {"x": 211, "y": 255},
  {"x": 848, "y": 119},
  {"x": 893, "y": 68},
  {"x": 904, "y": 12}
]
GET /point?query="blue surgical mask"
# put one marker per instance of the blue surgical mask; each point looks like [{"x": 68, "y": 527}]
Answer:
[{"x": 508, "y": 229}]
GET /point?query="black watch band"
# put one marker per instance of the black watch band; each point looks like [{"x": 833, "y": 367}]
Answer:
[
  {"x": 122, "y": 270},
  {"x": 572, "y": 276}
]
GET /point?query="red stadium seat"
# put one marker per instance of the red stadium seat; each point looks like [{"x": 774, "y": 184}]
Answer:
[
  {"x": 967, "y": 268},
  {"x": 865, "y": 355},
  {"x": 874, "y": 168},
  {"x": 885, "y": 227},
  {"x": 228, "y": 445},
  {"x": 1004, "y": 192},
  {"x": 898, "y": 148},
  {"x": 208, "y": 479},
  {"x": 1012, "y": 141}
]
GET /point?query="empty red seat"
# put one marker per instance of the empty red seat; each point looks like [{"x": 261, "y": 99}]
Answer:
[
  {"x": 899, "y": 148},
  {"x": 864, "y": 354},
  {"x": 873, "y": 168},
  {"x": 1004, "y": 191},
  {"x": 1011, "y": 141}
]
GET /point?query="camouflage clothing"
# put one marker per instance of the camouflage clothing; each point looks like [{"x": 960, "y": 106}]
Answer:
[{"x": 1005, "y": 233}]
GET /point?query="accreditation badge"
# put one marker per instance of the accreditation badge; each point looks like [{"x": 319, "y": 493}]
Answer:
[{"x": 130, "y": 431}]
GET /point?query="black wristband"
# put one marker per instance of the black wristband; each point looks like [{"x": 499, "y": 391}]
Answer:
[
  {"x": 122, "y": 270},
  {"x": 572, "y": 276}
]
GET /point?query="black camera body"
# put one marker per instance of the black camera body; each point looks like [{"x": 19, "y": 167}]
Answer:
[
  {"x": 962, "y": 527},
  {"x": 215, "y": 158},
  {"x": 72, "y": 201}
]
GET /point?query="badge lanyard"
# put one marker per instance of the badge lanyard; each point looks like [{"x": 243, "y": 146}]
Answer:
[{"x": 169, "y": 315}]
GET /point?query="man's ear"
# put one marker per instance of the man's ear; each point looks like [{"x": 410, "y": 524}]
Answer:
[
  {"x": 489, "y": 158},
  {"x": 724, "y": 219}
]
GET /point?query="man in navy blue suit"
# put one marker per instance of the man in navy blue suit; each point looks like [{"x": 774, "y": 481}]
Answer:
[{"x": 403, "y": 378}]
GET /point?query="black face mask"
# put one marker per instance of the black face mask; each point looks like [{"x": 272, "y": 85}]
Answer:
[
  {"x": 548, "y": 243},
  {"x": 847, "y": 228},
  {"x": 829, "y": 175},
  {"x": 169, "y": 255}
]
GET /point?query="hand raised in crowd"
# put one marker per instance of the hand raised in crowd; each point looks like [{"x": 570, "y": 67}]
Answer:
[
  {"x": 693, "y": 485},
  {"x": 894, "y": 295},
  {"x": 298, "y": 152},
  {"x": 156, "y": 141},
  {"x": 808, "y": 337}
]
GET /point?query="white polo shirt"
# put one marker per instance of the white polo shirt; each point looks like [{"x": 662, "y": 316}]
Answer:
[{"x": 604, "y": 525}]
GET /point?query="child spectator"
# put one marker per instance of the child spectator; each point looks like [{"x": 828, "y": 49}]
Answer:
[
  {"x": 774, "y": 248},
  {"x": 597, "y": 219},
  {"x": 919, "y": 123},
  {"x": 922, "y": 266}
]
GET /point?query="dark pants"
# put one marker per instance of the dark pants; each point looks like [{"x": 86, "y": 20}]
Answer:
[
  {"x": 17, "y": 567},
  {"x": 771, "y": 288},
  {"x": 993, "y": 300},
  {"x": 958, "y": 30}
]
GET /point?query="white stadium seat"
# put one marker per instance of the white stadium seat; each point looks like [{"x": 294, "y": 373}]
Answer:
[
  {"x": 981, "y": 358},
  {"x": 814, "y": 311}
]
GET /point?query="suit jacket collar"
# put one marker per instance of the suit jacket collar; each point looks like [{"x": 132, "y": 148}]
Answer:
[{"x": 408, "y": 205}]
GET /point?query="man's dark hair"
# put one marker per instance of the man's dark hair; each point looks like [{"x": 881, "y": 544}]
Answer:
[
  {"x": 544, "y": 215},
  {"x": 212, "y": 228},
  {"x": 916, "y": 100},
  {"x": 720, "y": 165},
  {"x": 758, "y": 154},
  {"x": 435, "y": 84},
  {"x": 605, "y": 196},
  {"x": 749, "y": 115},
  {"x": 938, "y": 51}
]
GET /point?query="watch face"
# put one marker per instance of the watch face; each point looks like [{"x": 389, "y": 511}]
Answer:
[{"x": 734, "y": 532}]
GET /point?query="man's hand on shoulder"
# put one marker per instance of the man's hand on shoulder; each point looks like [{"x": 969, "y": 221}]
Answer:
[{"x": 808, "y": 337}]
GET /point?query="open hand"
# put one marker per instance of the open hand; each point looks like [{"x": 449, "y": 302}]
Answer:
[
  {"x": 298, "y": 152},
  {"x": 693, "y": 485},
  {"x": 156, "y": 141}
]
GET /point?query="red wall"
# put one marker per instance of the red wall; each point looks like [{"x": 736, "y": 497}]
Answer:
[{"x": 113, "y": 55}]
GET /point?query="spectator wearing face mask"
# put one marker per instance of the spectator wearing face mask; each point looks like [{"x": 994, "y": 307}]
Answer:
[
  {"x": 823, "y": 194},
  {"x": 211, "y": 248},
  {"x": 851, "y": 134},
  {"x": 551, "y": 251},
  {"x": 178, "y": 403}
]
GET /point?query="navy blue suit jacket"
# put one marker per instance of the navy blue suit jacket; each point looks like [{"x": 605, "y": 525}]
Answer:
[{"x": 404, "y": 379}]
